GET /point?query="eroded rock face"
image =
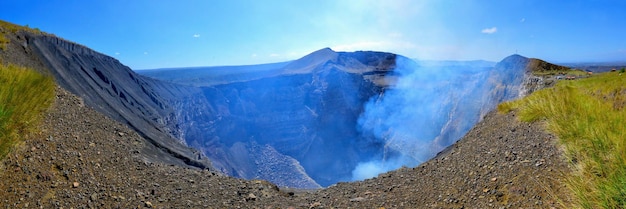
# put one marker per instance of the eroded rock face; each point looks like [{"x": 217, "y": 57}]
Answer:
[
  {"x": 534, "y": 82},
  {"x": 516, "y": 73},
  {"x": 113, "y": 89}
]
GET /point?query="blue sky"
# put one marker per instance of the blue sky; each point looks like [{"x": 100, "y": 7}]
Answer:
[{"x": 158, "y": 33}]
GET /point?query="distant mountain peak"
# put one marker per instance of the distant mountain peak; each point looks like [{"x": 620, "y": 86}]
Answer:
[
  {"x": 515, "y": 57},
  {"x": 514, "y": 61},
  {"x": 325, "y": 49},
  {"x": 310, "y": 61},
  {"x": 531, "y": 64},
  {"x": 322, "y": 53}
]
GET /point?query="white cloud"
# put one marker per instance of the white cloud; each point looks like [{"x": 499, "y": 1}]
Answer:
[
  {"x": 117, "y": 53},
  {"x": 145, "y": 52},
  {"x": 522, "y": 20},
  {"x": 489, "y": 30},
  {"x": 196, "y": 35},
  {"x": 274, "y": 55},
  {"x": 253, "y": 55}
]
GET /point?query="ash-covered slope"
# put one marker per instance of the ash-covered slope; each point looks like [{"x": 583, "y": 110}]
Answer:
[{"x": 113, "y": 89}]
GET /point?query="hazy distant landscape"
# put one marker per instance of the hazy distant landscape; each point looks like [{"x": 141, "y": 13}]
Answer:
[{"x": 209, "y": 76}]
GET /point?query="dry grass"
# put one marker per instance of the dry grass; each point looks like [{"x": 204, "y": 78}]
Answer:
[
  {"x": 10, "y": 28},
  {"x": 24, "y": 96},
  {"x": 589, "y": 117},
  {"x": 3, "y": 42}
]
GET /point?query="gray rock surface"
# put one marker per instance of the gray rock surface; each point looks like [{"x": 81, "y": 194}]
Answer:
[{"x": 115, "y": 90}]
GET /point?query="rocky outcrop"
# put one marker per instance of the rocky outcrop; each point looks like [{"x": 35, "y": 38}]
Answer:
[
  {"x": 507, "y": 76},
  {"x": 517, "y": 76},
  {"x": 108, "y": 86},
  {"x": 538, "y": 75}
]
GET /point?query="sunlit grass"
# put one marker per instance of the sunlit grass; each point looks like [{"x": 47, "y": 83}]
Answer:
[
  {"x": 569, "y": 72},
  {"x": 589, "y": 118},
  {"x": 14, "y": 28},
  {"x": 24, "y": 96},
  {"x": 7, "y": 28},
  {"x": 3, "y": 42}
]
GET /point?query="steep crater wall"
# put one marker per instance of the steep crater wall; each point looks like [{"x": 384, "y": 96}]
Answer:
[{"x": 115, "y": 90}]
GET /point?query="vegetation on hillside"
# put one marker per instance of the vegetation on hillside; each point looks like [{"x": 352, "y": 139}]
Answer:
[
  {"x": 3, "y": 42},
  {"x": 555, "y": 72},
  {"x": 24, "y": 96},
  {"x": 589, "y": 117},
  {"x": 10, "y": 28}
]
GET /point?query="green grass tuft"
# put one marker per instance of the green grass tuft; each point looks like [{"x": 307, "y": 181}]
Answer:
[
  {"x": 589, "y": 117},
  {"x": 24, "y": 96},
  {"x": 3, "y": 42}
]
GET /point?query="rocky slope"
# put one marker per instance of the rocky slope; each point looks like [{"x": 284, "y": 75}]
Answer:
[{"x": 111, "y": 88}]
